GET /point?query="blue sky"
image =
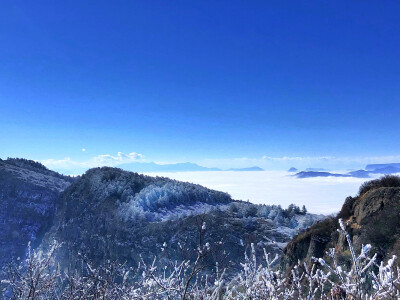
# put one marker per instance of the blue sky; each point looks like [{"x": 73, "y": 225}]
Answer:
[{"x": 211, "y": 82}]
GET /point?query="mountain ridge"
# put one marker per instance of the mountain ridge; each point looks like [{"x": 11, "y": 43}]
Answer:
[
  {"x": 109, "y": 213},
  {"x": 28, "y": 194}
]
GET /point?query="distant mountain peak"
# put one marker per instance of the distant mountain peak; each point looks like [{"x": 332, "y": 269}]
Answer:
[
  {"x": 149, "y": 167},
  {"x": 311, "y": 174},
  {"x": 373, "y": 167},
  {"x": 255, "y": 168},
  {"x": 315, "y": 169}
]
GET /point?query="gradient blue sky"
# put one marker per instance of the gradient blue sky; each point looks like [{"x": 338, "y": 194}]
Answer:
[{"x": 199, "y": 81}]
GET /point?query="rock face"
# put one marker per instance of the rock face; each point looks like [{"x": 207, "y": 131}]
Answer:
[
  {"x": 28, "y": 194},
  {"x": 373, "y": 218}
]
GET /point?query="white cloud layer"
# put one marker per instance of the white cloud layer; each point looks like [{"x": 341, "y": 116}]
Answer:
[{"x": 320, "y": 195}]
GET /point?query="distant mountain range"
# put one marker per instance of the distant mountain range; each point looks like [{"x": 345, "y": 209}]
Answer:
[
  {"x": 149, "y": 167},
  {"x": 390, "y": 168},
  {"x": 153, "y": 167},
  {"x": 374, "y": 167},
  {"x": 315, "y": 170},
  {"x": 246, "y": 169},
  {"x": 309, "y": 174}
]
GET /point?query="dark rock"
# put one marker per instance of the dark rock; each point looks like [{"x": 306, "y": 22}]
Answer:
[{"x": 373, "y": 218}]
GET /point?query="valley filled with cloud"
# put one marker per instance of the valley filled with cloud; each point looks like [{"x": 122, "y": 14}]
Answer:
[{"x": 323, "y": 195}]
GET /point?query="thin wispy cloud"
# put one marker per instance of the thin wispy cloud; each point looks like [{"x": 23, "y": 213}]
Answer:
[{"x": 96, "y": 161}]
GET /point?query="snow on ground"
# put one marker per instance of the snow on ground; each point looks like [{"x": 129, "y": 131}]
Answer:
[
  {"x": 323, "y": 195},
  {"x": 32, "y": 177},
  {"x": 187, "y": 210}
]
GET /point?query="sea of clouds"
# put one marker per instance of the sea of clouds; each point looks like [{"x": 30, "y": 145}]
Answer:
[{"x": 323, "y": 195}]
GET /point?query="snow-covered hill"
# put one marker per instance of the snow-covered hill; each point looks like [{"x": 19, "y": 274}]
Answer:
[
  {"x": 109, "y": 213},
  {"x": 28, "y": 195}
]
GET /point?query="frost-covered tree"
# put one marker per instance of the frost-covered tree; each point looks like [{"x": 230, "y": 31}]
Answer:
[
  {"x": 35, "y": 277},
  {"x": 39, "y": 277}
]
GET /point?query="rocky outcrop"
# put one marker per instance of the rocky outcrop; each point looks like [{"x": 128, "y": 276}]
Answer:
[{"x": 373, "y": 217}]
